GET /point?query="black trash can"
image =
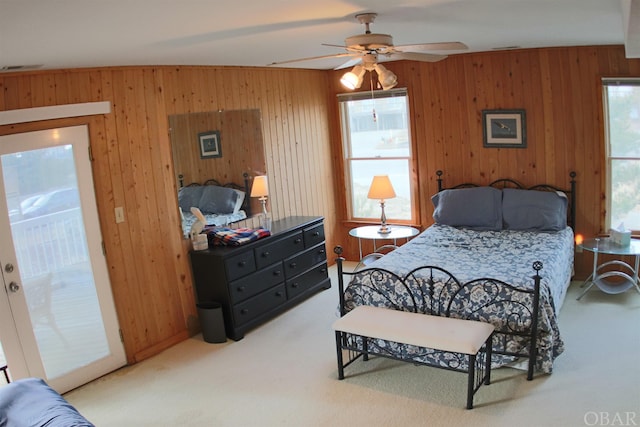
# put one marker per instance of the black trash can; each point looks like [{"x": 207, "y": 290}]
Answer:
[{"x": 211, "y": 322}]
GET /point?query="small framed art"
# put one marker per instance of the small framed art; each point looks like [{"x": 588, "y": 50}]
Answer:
[
  {"x": 504, "y": 128},
  {"x": 209, "y": 143}
]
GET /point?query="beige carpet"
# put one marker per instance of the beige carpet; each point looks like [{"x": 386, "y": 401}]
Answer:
[{"x": 284, "y": 374}]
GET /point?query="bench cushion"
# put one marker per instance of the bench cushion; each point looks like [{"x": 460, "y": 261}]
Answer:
[{"x": 422, "y": 330}]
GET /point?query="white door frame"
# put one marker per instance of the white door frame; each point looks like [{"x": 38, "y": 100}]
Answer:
[{"x": 9, "y": 334}]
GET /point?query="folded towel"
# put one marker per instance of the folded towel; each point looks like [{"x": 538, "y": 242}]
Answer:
[{"x": 223, "y": 236}]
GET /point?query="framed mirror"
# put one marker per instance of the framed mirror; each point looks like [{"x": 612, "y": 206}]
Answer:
[{"x": 221, "y": 149}]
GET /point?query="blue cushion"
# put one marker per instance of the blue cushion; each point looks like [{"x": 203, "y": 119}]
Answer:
[
  {"x": 477, "y": 208},
  {"x": 189, "y": 196},
  {"x": 531, "y": 210},
  {"x": 218, "y": 200},
  {"x": 31, "y": 402}
]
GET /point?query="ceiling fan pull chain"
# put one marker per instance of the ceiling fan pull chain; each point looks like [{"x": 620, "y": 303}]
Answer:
[{"x": 373, "y": 99}]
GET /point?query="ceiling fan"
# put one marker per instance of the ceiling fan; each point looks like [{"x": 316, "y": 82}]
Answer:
[{"x": 367, "y": 48}]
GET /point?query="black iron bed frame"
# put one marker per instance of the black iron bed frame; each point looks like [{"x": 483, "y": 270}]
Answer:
[{"x": 435, "y": 291}]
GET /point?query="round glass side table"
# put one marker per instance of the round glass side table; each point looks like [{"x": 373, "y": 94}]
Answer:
[
  {"x": 371, "y": 232},
  {"x": 618, "y": 280}
]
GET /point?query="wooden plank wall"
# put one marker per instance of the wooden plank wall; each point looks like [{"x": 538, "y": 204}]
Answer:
[
  {"x": 150, "y": 274},
  {"x": 147, "y": 258},
  {"x": 559, "y": 88}
]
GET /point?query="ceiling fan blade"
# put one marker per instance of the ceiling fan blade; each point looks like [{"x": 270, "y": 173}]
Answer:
[
  {"x": 412, "y": 56},
  {"x": 347, "y": 48},
  {"x": 431, "y": 46},
  {"x": 350, "y": 63},
  {"x": 337, "y": 55}
]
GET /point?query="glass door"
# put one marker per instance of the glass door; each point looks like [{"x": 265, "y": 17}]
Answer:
[{"x": 57, "y": 318}]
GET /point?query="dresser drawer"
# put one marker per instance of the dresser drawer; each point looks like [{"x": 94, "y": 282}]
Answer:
[
  {"x": 278, "y": 250},
  {"x": 259, "y": 304},
  {"x": 302, "y": 283},
  {"x": 257, "y": 282},
  {"x": 240, "y": 265},
  {"x": 313, "y": 236},
  {"x": 300, "y": 263}
]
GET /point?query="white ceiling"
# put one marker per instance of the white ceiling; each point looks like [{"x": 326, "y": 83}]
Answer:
[{"x": 92, "y": 33}]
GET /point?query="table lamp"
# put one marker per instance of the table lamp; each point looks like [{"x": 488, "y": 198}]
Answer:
[
  {"x": 382, "y": 189},
  {"x": 260, "y": 189}
]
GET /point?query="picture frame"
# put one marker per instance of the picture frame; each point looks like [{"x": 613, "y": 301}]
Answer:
[
  {"x": 209, "y": 144},
  {"x": 504, "y": 128}
]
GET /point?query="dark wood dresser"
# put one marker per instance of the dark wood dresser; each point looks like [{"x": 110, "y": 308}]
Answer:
[{"x": 257, "y": 281}]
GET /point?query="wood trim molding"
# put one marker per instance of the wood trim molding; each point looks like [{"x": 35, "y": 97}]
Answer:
[{"x": 35, "y": 114}]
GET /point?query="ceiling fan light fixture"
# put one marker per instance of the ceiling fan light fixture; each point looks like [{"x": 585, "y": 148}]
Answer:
[
  {"x": 386, "y": 78},
  {"x": 353, "y": 79}
]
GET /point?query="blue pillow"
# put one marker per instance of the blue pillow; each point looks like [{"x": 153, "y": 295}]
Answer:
[
  {"x": 477, "y": 208},
  {"x": 218, "y": 200},
  {"x": 532, "y": 210},
  {"x": 189, "y": 196}
]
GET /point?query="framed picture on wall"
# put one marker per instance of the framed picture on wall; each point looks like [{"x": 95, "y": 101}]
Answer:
[
  {"x": 209, "y": 144},
  {"x": 504, "y": 128}
]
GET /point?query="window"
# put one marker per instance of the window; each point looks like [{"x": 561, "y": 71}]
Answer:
[
  {"x": 376, "y": 138},
  {"x": 622, "y": 136}
]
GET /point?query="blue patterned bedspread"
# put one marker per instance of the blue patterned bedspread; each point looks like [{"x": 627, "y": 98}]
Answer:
[{"x": 505, "y": 255}]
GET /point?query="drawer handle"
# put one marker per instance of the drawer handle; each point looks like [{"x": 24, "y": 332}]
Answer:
[
  {"x": 324, "y": 270},
  {"x": 265, "y": 254},
  {"x": 298, "y": 240},
  {"x": 241, "y": 288},
  {"x": 244, "y": 311},
  {"x": 277, "y": 272},
  {"x": 294, "y": 285},
  {"x": 321, "y": 251},
  {"x": 278, "y": 294},
  {"x": 293, "y": 265},
  {"x": 316, "y": 234},
  {"x": 242, "y": 263}
]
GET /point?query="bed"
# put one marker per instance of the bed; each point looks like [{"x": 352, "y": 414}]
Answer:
[
  {"x": 494, "y": 232},
  {"x": 221, "y": 204}
]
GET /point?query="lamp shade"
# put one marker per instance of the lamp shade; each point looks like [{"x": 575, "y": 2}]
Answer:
[
  {"x": 353, "y": 79},
  {"x": 386, "y": 78},
  {"x": 260, "y": 187},
  {"x": 381, "y": 188}
]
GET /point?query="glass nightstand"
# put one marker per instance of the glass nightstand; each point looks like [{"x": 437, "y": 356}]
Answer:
[
  {"x": 371, "y": 232},
  {"x": 623, "y": 278}
]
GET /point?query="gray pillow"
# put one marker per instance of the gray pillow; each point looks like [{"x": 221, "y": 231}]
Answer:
[
  {"x": 477, "y": 208},
  {"x": 189, "y": 196},
  {"x": 532, "y": 210},
  {"x": 218, "y": 200}
]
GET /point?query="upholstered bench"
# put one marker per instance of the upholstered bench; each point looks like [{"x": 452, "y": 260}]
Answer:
[{"x": 446, "y": 334}]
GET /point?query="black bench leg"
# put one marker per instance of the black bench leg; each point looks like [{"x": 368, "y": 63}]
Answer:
[
  {"x": 471, "y": 383},
  {"x": 365, "y": 349},
  {"x": 339, "y": 354},
  {"x": 487, "y": 354}
]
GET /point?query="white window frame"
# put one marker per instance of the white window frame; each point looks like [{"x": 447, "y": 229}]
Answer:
[
  {"x": 608, "y": 155},
  {"x": 348, "y": 157}
]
